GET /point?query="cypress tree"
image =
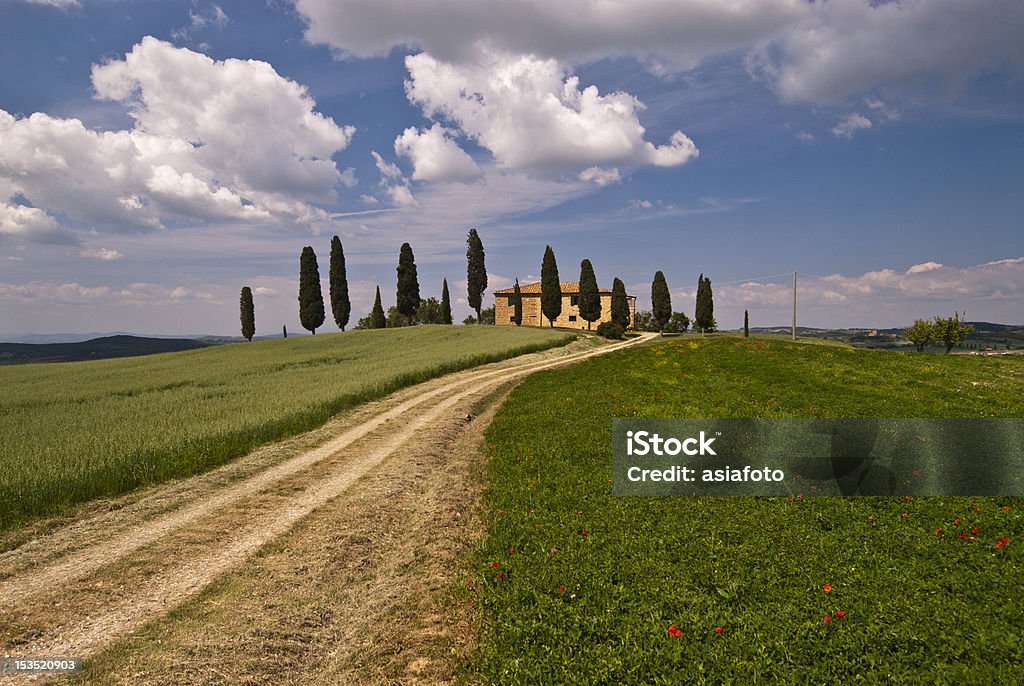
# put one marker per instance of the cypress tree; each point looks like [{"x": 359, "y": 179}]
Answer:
[
  {"x": 620, "y": 304},
  {"x": 517, "y": 305},
  {"x": 661, "y": 302},
  {"x": 550, "y": 287},
  {"x": 248, "y": 313},
  {"x": 284, "y": 330},
  {"x": 746, "y": 324},
  {"x": 704, "y": 314},
  {"x": 446, "y": 304},
  {"x": 311, "y": 298},
  {"x": 408, "y": 295},
  {"x": 476, "y": 272},
  {"x": 341, "y": 307},
  {"x": 377, "y": 318},
  {"x": 590, "y": 294}
]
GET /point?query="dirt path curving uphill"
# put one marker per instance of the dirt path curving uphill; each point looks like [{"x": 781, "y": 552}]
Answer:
[{"x": 83, "y": 588}]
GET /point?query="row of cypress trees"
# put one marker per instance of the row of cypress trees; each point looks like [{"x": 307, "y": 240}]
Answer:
[
  {"x": 311, "y": 301},
  {"x": 589, "y": 301},
  {"x": 661, "y": 304}
]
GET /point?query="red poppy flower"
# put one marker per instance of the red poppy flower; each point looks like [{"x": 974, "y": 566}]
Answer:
[
  {"x": 583, "y": 533},
  {"x": 960, "y": 535},
  {"x": 827, "y": 588},
  {"x": 827, "y": 619},
  {"x": 903, "y": 515},
  {"x": 974, "y": 530},
  {"x": 999, "y": 544},
  {"x": 938, "y": 531},
  {"x": 561, "y": 588},
  {"x": 495, "y": 564},
  {"x": 956, "y": 521},
  {"x": 501, "y": 575},
  {"x": 512, "y": 549},
  {"x": 674, "y": 631},
  {"x": 840, "y": 614},
  {"x": 719, "y": 629},
  {"x": 906, "y": 497}
]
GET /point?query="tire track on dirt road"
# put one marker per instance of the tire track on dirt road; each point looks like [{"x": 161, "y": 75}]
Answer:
[{"x": 315, "y": 477}]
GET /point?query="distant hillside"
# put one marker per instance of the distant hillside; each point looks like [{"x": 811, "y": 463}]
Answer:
[
  {"x": 986, "y": 336},
  {"x": 95, "y": 349}
]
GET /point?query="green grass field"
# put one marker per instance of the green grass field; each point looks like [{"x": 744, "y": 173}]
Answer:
[
  {"x": 579, "y": 586},
  {"x": 72, "y": 432}
]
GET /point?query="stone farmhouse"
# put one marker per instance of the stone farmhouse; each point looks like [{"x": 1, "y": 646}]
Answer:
[{"x": 504, "y": 309}]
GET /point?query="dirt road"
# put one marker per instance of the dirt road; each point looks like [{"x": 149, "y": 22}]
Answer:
[{"x": 319, "y": 529}]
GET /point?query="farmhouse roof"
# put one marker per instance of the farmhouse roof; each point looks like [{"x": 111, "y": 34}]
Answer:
[{"x": 567, "y": 287}]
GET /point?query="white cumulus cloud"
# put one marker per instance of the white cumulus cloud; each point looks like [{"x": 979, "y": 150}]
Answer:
[
  {"x": 435, "y": 155},
  {"x": 31, "y": 224},
  {"x": 532, "y": 115},
  {"x": 211, "y": 140},
  {"x": 809, "y": 51},
  {"x": 602, "y": 177}
]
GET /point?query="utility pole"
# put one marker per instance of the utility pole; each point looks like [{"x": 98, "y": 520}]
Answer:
[{"x": 794, "y": 306}]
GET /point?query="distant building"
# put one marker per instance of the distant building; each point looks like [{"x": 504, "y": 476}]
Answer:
[{"x": 504, "y": 308}]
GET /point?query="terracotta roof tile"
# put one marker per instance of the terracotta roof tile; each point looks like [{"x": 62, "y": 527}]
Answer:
[{"x": 568, "y": 288}]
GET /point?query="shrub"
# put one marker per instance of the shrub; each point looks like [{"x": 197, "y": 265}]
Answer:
[{"x": 610, "y": 330}]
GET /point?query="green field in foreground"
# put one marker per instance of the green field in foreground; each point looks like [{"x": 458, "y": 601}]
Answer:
[
  {"x": 72, "y": 432},
  {"x": 579, "y": 586}
]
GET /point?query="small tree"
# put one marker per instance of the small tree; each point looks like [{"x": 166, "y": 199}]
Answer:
[
  {"x": 590, "y": 295},
  {"x": 446, "y": 304},
  {"x": 704, "y": 314},
  {"x": 921, "y": 333},
  {"x": 746, "y": 324},
  {"x": 610, "y": 330},
  {"x": 476, "y": 272},
  {"x": 247, "y": 313},
  {"x": 643, "y": 320},
  {"x": 677, "y": 323},
  {"x": 487, "y": 316},
  {"x": 951, "y": 331},
  {"x": 517, "y": 304},
  {"x": 311, "y": 298},
  {"x": 550, "y": 287},
  {"x": 341, "y": 306},
  {"x": 408, "y": 293},
  {"x": 430, "y": 311},
  {"x": 620, "y": 304},
  {"x": 377, "y": 318},
  {"x": 661, "y": 301}
]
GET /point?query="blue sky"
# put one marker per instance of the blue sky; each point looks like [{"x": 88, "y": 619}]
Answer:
[{"x": 157, "y": 156}]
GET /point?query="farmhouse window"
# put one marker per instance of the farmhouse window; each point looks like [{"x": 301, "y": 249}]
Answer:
[
  {"x": 572, "y": 317},
  {"x": 512, "y": 319},
  {"x": 510, "y": 300},
  {"x": 574, "y": 299}
]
